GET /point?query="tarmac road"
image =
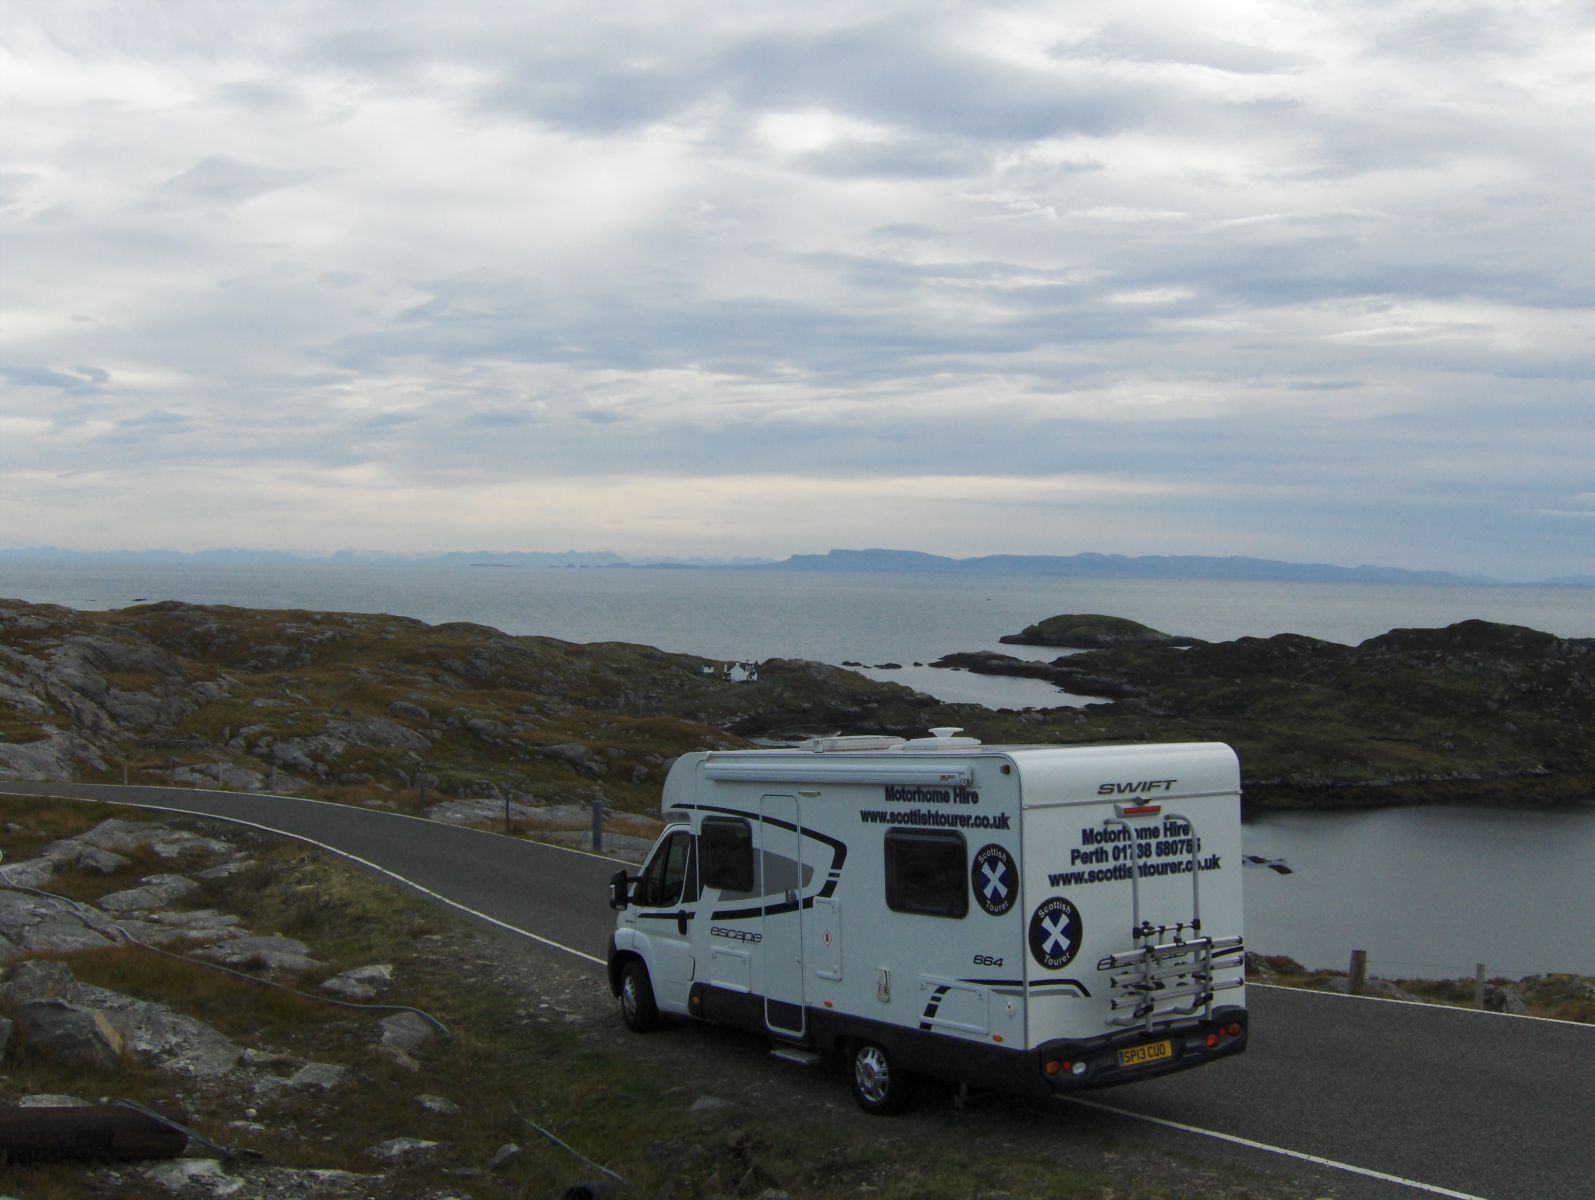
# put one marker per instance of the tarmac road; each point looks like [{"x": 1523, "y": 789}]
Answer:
[{"x": 1423, "y": 1101}]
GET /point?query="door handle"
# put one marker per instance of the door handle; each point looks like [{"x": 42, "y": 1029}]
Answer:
[{"x": 681, "y": 923}]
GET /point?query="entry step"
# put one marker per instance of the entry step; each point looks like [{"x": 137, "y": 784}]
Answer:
[{"x": 795, "y": 1054}]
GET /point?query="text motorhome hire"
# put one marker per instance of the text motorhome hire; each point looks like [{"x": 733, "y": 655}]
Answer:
[{"x": 1028, "y": 918}]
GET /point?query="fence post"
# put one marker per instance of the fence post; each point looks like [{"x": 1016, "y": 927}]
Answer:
[
  {"x": 1358, "y": 973},
  {"x": 1478, "y": 986},
  {"x": 171, "y": 772},
  {"x": 598, "y": 826},
  {"x": 506, "y": 810}
]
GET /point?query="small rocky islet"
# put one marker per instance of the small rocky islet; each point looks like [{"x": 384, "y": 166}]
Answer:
[
  {"x": 389, "y": 711},
  {"x": 1092, "y": 631}
]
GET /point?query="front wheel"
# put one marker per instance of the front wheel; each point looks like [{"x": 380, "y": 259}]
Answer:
[
  {"x": 637, "y": 1007},
  {"x": 879, "y": 1084}
]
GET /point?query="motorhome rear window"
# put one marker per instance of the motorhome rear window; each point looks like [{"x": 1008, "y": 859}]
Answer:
[
  {"x": 927, "y": 873},
  {"x": 727, "y": 846}
]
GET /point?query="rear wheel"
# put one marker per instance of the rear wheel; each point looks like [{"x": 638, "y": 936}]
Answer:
[
  {"x": 879, "y": 1084},
  {"x": 637, "y": 1006}
]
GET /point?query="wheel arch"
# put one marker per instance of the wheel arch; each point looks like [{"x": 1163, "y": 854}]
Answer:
[{"x": 618, "y": 959}]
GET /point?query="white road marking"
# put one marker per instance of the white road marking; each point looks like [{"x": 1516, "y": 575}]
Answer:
[
  {"x": 1300, "y": 1156},
  {"x": 364, "y": 862},
  {"x": 1477, "y": 1012}
]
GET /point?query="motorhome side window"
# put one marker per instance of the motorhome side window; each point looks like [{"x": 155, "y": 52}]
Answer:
[
  {"x": 667, "y": 875},
  {"x": 927, "y": 873},
  {"x": 727, "y": 847}
]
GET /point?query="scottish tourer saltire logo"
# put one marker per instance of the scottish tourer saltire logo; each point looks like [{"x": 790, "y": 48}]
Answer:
[
  {"x": 1055, "y": 932},
  {"x": 995, "y": 879}
]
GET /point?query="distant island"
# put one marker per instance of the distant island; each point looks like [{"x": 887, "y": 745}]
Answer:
[{"x": 1086, "y": 565}]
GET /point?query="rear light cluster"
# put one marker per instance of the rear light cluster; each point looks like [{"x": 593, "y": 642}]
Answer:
[
  {"x": 1055, "y": 1067},
  {"x": 1213, "y": 1039}
]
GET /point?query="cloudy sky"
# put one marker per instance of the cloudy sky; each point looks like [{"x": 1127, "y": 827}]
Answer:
[{"x": 1312, "y": 281}]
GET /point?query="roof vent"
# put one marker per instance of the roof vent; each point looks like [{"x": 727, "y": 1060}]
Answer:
[{"x": 941, "y": 736}]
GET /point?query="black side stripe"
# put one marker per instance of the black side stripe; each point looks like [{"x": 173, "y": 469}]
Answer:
[
  {"x": 838, "y": 847},
  {"x": 1039, "y": 985},
  {"x": 1080, "y": 989},
  {"x": 933, "y": 1005},
  {"x": 833, "y": 876}
]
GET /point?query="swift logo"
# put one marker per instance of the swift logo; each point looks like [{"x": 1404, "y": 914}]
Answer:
[{"x": 1131, "y": 789}]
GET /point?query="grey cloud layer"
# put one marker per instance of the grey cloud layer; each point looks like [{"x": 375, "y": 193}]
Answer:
[{"x": 1260, "y": 246}]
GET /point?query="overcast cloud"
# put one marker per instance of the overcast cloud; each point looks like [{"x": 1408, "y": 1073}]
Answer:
[{"x": 1302, "y": 281}]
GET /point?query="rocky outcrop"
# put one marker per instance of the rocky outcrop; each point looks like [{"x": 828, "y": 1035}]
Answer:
[
  {"x": 159, "y": 1037},
  {"x": 98, "y": 1032},
  {"x": 72, "y": 1033},
  {"x": 156, "y": 891},
  {"x": 357, "y": 706},
  {"x": 393, "y": 713},
  {"x": 37, "y": 979},
  {"x": 1471, "y": 711},
  {"x": 32, "y": 925},
  {"x": 1092, "y": 631},
  {"x": 260, "y": 953},
  {"x": 360, "y": 983}
]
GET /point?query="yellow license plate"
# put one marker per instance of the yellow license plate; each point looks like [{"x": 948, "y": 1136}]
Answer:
[{"x": 1137, "y": 1056}]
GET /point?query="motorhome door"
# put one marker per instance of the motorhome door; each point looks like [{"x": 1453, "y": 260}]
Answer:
[
  {"x": 781, "y": 889},
  {"x": 665, "y": 889}
]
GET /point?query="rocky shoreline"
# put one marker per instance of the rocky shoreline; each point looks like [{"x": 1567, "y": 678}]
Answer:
[
  {"x": 1554, "y": 996},
  {"x": 1475, "y": 712},
  {"x": 388, "y": 711}
]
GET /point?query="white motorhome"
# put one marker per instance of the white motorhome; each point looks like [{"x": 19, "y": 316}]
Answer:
[{"x": 1033, "y": 919}]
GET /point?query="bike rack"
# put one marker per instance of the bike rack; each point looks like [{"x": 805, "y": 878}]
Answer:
[{"x": 1152, "y": 979}]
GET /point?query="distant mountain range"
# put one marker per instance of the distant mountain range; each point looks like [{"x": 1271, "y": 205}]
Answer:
[
  {"x": 911, "y": 562},
  {"x": 1114, "y": 566}
]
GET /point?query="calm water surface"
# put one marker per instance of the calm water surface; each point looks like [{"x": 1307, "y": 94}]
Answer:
[
  {"x": 1427, "y": 892},
  {"x": 824, "y": 616}
]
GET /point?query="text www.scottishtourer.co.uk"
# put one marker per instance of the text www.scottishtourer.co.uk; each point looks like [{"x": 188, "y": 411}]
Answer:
[
  {"x": 1179, "y": 866},
  {"x": 935, "y": 818}
]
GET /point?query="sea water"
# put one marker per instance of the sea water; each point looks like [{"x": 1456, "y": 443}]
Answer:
[{"x": 1427, "y": 892}]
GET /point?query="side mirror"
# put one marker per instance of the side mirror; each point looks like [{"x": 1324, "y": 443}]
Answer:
[{"x": 619, "y": 889}]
